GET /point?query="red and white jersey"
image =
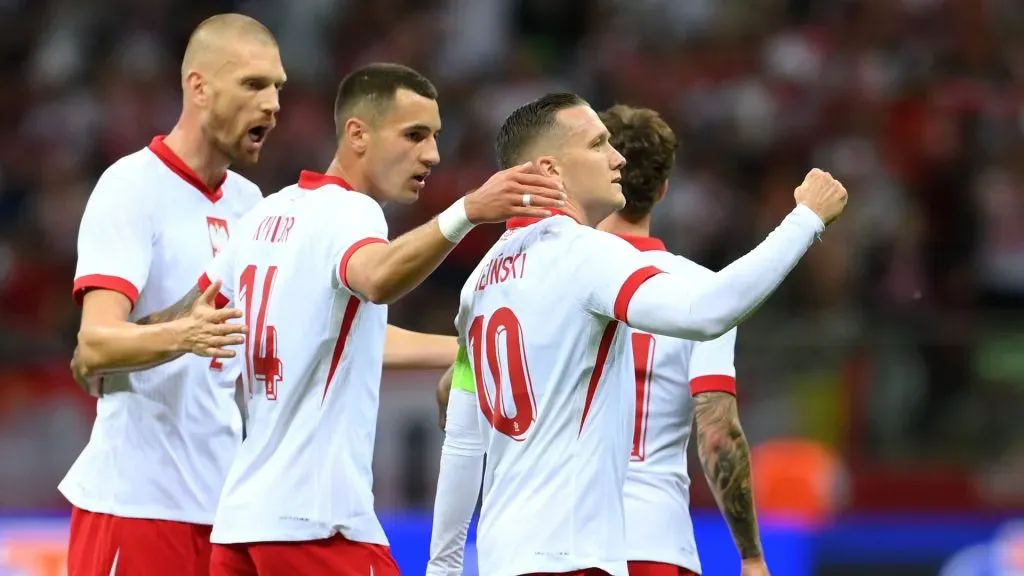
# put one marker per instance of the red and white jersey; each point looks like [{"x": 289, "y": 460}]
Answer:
[
  {"x": 163, "y": 437},
  {"x": 540, "y": 318},
  {"x": 668, "y": 371},
  {"x": 313, "y": 361}
]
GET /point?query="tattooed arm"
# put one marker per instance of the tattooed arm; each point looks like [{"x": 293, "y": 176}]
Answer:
[
  {"x": 725, "y": 457},
  {"x": 107, "y": 345}
]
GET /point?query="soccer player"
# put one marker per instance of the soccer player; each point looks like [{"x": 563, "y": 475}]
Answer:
[
  {"x": 145, "y": 487},
  {"x": 313, "y": 270},
  {"x": 668, "y": 371},
  {"x": 542, "y": 320}
]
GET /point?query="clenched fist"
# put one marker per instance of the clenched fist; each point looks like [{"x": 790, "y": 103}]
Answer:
[
  {"x": 823, "y": 194},
  {"x": 518, "y": 191}
]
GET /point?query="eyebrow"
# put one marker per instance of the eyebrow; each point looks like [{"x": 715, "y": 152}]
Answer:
[
  {"x": 420, "y": 128},
  {"x": 603, "y": 136}
]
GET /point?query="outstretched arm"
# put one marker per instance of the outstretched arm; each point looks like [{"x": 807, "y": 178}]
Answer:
[
  {"x": 384, "y": 272},
  {"x": 725, "y": 457},
  {"x": 408, "y": 350}
]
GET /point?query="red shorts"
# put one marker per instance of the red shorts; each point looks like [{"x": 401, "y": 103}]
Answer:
[
  {"x": 335, "y": 556},
  {"x": 640, "y": 568},
  {"x": 105, "y": 545}
]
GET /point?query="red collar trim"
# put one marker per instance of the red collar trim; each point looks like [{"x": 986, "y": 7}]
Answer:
[
  {"x": 643, "y": 243},
  {"x": 309, "y": 180},
  {"x": 178, "y": 166},
  {"x": 524, "y": 221}
]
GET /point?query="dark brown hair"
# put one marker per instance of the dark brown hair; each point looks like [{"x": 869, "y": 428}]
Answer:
[
  {"x": 529, "y": 122},
  {"x": 649, "y": 146},
  {"x": 376, "y": 85}
]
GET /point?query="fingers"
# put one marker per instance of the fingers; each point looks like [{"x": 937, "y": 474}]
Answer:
[
  {"x": 541, "y": 197},
  {"x": 210, "y": 294},
  {"x": 531, "y": 212},
  {"x": 223, "y": 315},
  {"x": 216, "y": 353},
  {"x": 228, "y": 329},
  {"x": 536, "y": 180}
]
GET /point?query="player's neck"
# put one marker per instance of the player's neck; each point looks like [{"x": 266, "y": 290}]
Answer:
[
  {"x": 198, "y": 153},
  {"x": 352, "y": 175},
  {"x": 616, "y": 224}
]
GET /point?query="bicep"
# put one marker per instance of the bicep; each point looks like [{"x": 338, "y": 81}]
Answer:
[{"x": 101, "y": 307}]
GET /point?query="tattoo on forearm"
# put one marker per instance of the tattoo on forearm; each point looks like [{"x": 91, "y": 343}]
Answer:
[
  {"x": 725, "y": 457},
  {"x": 174, "y": 311}
]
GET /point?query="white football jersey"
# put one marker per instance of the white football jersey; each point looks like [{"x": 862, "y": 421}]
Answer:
[
  {"x": 163, "y": 437},
  {"x": 313, "y": 361},
  {"x": 540, "y": 317},
  {"x": 668, "y": 371}
]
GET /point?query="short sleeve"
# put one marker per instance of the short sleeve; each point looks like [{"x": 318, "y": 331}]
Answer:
[
  {"x": 363, "y": 224},
  {"x": 115, "y": 239},
  {"x": 610, "y": 272},
  {"x": 712, "y": 366},
  {"x": 222, "y": 268}
]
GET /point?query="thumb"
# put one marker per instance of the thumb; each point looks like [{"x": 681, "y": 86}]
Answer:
[{"x": 209, "y": 296}]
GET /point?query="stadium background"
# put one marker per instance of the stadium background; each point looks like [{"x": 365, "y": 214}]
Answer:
[{"x": 897, "y": 346}]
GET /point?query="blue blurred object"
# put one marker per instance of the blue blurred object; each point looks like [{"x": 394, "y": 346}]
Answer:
[{"x": 792, "y": 549}]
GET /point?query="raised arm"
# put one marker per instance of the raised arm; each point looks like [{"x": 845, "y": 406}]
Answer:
[
  {"x": 408, "y": 350},
  {"x": 384, "y": 272},
  {"x": 703, "y": 309},
  {"x": 458, "y": 483}
]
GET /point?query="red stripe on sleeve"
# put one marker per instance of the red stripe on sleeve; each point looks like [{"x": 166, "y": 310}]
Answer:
[
  {"x": 629, "y": 288},
  {"x": 104, "y": 282},
  {"x": 204, "y": 283},
  {"x": 343, "y": 266},
  {"x": 717, "y": 383}
]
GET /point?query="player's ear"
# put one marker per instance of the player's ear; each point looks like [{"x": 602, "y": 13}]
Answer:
[
  {"x": 547, "y": 166},
  {"x": 357, "y": 133},
  {"x": 196, "y": 88},
  {"x": 662, "y": 190}
]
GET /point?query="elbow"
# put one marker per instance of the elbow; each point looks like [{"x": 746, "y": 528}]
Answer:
[
  {"x": 88, "y": 358},
  {"x": 377, "y": 294},
  {"x": 710, "y": 329}
]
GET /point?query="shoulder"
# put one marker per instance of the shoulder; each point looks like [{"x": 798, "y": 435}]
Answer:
[
  {"x": 128, "y": 175},
  {"x": 243, "y": 189}
]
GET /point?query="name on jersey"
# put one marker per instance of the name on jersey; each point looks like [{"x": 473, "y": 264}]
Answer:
[
  {"x": 274, "y": 229},
  {"x": 502, "y": 268}
]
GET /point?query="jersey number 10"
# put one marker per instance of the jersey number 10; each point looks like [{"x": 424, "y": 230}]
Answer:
[
  {"x": 484, "y": 337},
  {"x": 261, "y": 360}
]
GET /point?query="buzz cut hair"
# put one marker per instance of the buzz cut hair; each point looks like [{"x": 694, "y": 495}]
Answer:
[
  {"x": 649, "y": 146},
  {"x": 529, "y": 123},
  {"x": 371, "y": 90}
]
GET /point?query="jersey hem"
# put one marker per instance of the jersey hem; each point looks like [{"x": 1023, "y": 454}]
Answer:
[{"x": 138, "y": 512}]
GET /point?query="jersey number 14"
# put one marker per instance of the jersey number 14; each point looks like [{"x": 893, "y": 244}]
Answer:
[{"x": 261, "y": 360}]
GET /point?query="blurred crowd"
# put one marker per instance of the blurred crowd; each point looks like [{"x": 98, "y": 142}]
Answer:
[{"x": 916, "y": 105}]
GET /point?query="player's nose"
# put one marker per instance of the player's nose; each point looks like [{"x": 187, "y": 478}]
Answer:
[
  {"x": 430, "y": 155},
  {"x": 616, "y": 161},
  {"x": 271, "y": 104}
]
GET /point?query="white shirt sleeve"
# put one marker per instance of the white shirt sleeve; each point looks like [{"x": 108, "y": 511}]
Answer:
[
  {"x": 362, "y": 222},
  {"x": 458, "y": 483},
  {"x": 673, "y": 305},
  {"x": 712, "y": 366},
  {"x": 115, "y": 240}
]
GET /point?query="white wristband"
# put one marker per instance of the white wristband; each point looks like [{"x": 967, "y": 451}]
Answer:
[{"x": 454, "y": 223}]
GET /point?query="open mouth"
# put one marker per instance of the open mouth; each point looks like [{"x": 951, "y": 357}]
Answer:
[
  {"x": 258, "y": 134},
  {"x": 421, "y": 178}
]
